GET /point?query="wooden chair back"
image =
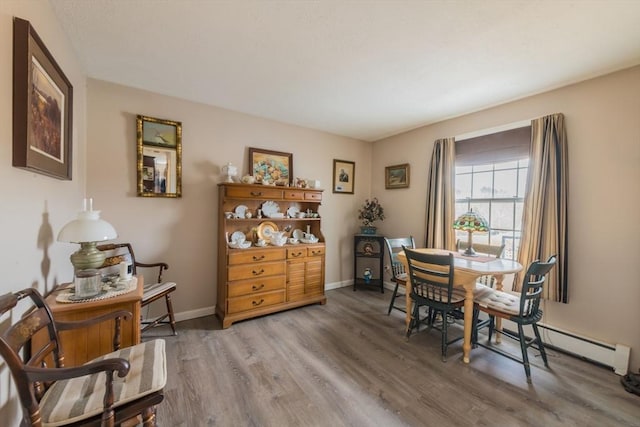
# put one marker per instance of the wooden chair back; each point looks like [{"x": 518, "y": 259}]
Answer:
[
  {"x": 481, "y": 248},
  {"x": 118, "y": 252},
  {"x": 531, "y": 292},
  {"x": 395, "y": 246},
  {"x": 432, "y": 278}
]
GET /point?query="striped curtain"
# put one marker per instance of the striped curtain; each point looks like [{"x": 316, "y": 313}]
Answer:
[
  {"x": 544, "y": 220},
  {"x": 441, "y": 196}
]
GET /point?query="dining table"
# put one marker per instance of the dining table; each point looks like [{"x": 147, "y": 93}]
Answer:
[{"x": 467, "y": 270}]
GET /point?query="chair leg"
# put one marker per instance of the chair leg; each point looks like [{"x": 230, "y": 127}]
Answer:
[
  {"x": 393, "y": 298},
  {"x": 525, "y": 356},
  {"x": 492, "y": 325},
  {"x": 445, "y": 328},
  {"x": 149, "y": 417},
  {"x": 172, "y": 320},
  {"x": 541, "y": 348}
]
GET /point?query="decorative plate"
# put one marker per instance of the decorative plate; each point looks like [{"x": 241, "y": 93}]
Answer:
[
  {"x": 238, "y": 235},
  {"x": 240, "y": 211},
  {"x": 297, "y": 234},
  {"x": 269, "y": 208},
  {"x": 266, "y": 230},
  {"x": 292, "y": 212}
]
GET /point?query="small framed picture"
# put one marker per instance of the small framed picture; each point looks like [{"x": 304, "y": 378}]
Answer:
[
  {"x": 343, "y": 176},
  {"x": 272, "y": 167},
  {"x": 397, "y": 176}
]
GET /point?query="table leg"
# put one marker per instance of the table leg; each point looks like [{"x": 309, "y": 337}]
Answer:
[
  {"x": 468, "y": 323},
  {"x": 499, "y": 279},
  {"x": 408, "y": 303}
]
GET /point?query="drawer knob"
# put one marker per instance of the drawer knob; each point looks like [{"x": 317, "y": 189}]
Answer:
[
  {"x": 257, "y": 288},
  {"x": 316, "y": 252},
  {"x": 258, "y": 258},
  {"x": 297, "y": 254},
  {"x": 257, "y": 303},
  {"x": 256, "y": 193},
  {"x": 257, "y": 273}
]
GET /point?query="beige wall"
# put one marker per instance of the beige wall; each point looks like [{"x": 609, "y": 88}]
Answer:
[
  {"x": 603, "y": 127},
  {"x": 183, "y": 231},
  {"x": 34, "y": 206}
]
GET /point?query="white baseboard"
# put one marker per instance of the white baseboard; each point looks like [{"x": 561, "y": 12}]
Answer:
[
  {"x": 208, "y": 311},
  {"x": 615, "y": 356}
]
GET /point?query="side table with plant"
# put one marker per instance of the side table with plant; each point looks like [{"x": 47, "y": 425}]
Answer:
[{"x": 370, "y": 212}]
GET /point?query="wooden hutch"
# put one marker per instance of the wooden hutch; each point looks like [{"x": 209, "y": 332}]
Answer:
[{"x": 262, "y": 280}]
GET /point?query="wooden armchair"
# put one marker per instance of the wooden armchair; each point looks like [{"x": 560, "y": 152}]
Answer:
[
  {"x": 103, "y": 392},
  {"x": 118, "y": 252}
]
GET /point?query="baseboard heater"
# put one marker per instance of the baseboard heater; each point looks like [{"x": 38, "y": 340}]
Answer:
[{"x": 615, "y": 356}]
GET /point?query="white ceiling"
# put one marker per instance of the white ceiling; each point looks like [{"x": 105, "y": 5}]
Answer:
[{"x": 364, "y": 69}]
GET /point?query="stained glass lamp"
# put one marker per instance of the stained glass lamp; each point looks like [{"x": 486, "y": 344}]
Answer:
[{"x": 471, "y": 222}]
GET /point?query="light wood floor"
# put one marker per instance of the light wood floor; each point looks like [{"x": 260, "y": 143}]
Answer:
[{"x": 348, "y": 364}]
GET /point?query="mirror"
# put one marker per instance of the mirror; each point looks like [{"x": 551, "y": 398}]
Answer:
[{"x": 159, "y": 157}]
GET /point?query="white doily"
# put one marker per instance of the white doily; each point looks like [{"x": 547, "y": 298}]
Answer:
[{"x": 120, "y": 287}]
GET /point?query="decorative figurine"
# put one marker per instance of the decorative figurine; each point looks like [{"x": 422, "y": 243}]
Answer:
[{"x": 367, "y": 275}]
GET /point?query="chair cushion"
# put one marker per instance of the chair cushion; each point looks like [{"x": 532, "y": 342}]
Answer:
[
  {"x": 479, "y": 290},
  {"x": 155, "y": 289},
  {"x": 79, "y": 398},
  {"x": 506, "y": 302}
]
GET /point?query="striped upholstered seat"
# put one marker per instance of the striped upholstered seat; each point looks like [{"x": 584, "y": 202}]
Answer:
[{"x": 76, "y": 399}]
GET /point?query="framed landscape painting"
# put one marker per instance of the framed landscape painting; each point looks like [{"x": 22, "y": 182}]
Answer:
[
  {"x": 397, "y": 176},
  {"x": 42, "y": 106}
]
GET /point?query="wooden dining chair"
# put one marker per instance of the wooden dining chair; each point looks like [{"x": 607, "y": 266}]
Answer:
[
  {"x": 483, "y": 249},
  {"x": 153, "y": 291},
  {"x": 105, "y": 391},
  {"x": 522, "y": 308},
  {"x": 398, "y": 273},
  {"x": 432, "y": 278}
]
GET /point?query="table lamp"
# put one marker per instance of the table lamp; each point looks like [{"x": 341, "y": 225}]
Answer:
[
  {"x": 470, "y": 222},
  {"x": 87, "y": 230}
]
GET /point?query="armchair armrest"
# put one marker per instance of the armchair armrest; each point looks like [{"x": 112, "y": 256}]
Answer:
[
  {"x": 115, "y": 364},
  {"x": 162, "y": 266}
]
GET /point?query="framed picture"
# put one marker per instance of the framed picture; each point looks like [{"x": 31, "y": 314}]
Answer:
[
  {"x": 271, "y": 166},
  {"x": 343, "y": 176},
  {"x": 397, "y": 176},
  {"x": 42, "y": 107}
]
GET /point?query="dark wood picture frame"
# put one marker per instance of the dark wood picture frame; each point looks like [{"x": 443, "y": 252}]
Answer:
[
  {"x": 42, "y": 107},
  {"x": 274, "y": 166},
  {"x": 344, "y": 175},
  {"x": 396, "y": 176}
]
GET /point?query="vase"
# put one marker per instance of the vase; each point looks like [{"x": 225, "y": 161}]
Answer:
[{"x": 367, "y": 229}]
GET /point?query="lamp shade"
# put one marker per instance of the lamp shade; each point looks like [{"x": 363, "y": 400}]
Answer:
[
  {"x": 471, "y": 221},
  {"x": 88, "y": 227}
]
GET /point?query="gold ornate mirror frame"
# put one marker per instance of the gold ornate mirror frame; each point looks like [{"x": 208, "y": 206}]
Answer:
[{"x": 159, "y": 152}]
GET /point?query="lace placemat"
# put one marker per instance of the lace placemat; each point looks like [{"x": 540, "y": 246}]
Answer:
[{"x": 109, "y": 290}]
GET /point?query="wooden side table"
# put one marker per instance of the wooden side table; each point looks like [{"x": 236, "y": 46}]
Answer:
[{"x": 82, "y": 345}]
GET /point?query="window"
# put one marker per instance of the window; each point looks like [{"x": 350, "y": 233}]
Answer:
[{"x": 495, "y": 191}]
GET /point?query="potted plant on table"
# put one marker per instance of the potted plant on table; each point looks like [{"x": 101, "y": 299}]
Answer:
[{"x": 370, "y": 212}]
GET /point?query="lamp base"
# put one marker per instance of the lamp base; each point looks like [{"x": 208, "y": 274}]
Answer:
[
  {"x": 87, "y": 257},
  {"x": 469, "y": 252}
]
